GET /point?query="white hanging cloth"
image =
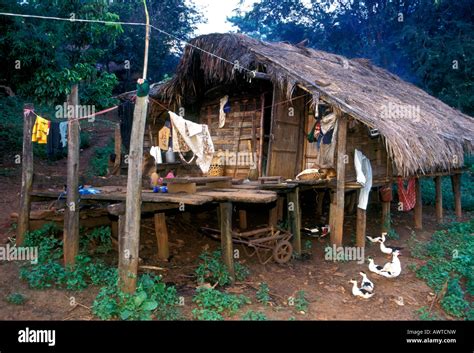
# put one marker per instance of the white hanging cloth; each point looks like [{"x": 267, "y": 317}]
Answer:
[
  {"x": 195, "y": 137},
  {"x": 364, "y": 177},
  {"x": 155, "y": 151}
]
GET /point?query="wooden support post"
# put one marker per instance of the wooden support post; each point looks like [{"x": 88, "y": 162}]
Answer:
[
  {"x": 161, "y": 232},
  {"x": 26, "y": 174},
  {"x": 361, "y": 227},
  {"x": 280, "y": 205},
  {"x": 117, "y": 150},
  {"x": 456, "y": 183},
  {"x": 336, "y": 233},
  {"x": 226, "y": 237},
  {"x": 273, "y": 216},
  {"x": 243, "y": 219},
  {"x": 294, "y": 218},
  {"x": 319, "y": 206},
  {"x": 128, "y": 258},
  {"x": 332, "y": 209},
  {"x": 122, "y": 250},
  {"x": 71, "y": 217},
  {"x": 385, "y": 217},
  {"x": 439, "y": 200},
  {"x": 418, "y": 205}
]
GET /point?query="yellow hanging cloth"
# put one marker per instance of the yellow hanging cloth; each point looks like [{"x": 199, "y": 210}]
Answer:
[
  {"x": 40, "y": 130},
  {"x": 164, "y": 138}
]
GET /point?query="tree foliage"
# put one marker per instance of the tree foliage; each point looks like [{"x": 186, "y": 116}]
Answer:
[{"x": 427, "y": 42}]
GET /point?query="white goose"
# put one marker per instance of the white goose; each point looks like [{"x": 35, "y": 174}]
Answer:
[
  {"x": 359, "y": 292},
  {"x": 366, "y": 283}
]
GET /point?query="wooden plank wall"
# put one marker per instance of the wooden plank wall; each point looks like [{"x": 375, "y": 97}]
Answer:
[{"x": 238, "y": 121}]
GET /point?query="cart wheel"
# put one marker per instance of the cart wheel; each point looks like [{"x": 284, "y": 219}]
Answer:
[{"x": 282, "y": 251}]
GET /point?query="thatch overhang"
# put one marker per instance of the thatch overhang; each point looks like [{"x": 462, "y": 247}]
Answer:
[{"x": 421, "y": 133}]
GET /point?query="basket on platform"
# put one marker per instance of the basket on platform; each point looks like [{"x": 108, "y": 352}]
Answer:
[{"x": 216, "y": 168}]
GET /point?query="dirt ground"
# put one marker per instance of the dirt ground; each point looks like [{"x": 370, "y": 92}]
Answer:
[{"x": 325, "y": 283}]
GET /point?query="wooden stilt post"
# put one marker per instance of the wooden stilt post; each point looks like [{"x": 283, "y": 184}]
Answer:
[
  {"x": 131, "y": 242},
  {"x": 26, "y": 174},
  {"x": 361, "y": 227},
  {"x": 161, "y": 232},
  {"x": 280, "y": 206},
  {"x": 456, "y": 183},
  {"x": 336, "y": 233},
  {"x": 439, "y": 200},
  {"x": 117, "y": 150},
  {"x": 243, "y": 219},
  {"x": 418, "y": 205},
  {"x": 294, "y": 218},
  {"x": 319, "y": 205},
  {"x": 226, "y": 237},
  {"x": 122, "y": 250},
  {"x": 71, "y": 217},
  {"x": 273, "y": 216},
  {"x": 332, "y": 209},
  {"x": 385, "y": 216}
]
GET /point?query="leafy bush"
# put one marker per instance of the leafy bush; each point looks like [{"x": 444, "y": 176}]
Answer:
[
  {"x": 254, "y": 316},
  {"x": 301, "y": 303},
  {"x": 425, "y": 315},
  {"x": 213, "y": 270},
  {"x": 263, "y": 294},
  {"x": 152, "y": 300},
  {"x": 100, "y": 161},
  {"x": 450, "y": 260},
  {"x": 210, "y": 299},
  {"x": 100, "y": 239},
  {"x": 16, "y": 298}
]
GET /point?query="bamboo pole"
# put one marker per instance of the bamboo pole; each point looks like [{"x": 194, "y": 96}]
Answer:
[
  {"x": 439, "y": 200},
  {"x": 71, "y": 217},
  {"x": 26, "y": 174},
  {"x": 418, "y": 205},
  {"x": 456, "y": 184},
  {"x": 128, "y": 257}
]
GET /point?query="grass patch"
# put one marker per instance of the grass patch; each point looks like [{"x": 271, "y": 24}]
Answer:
[
  {"x": 213, "y": 270},
  {"x": 16, "y": 299},
  {"x": 212, "y": 303}
]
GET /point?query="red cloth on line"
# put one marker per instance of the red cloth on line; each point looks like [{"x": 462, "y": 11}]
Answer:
[{"x": 407, "y": 196}]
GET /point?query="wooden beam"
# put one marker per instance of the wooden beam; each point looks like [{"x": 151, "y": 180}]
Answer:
[
  {"x": 439, "y": 200},
  {"x": 294, "y": 218},
  {"x": 71, "y": 216},
  {"x": 161, "y": 232},
  {"x": 336, "y": 233},
  {"x": 243, "y": 219},
  {"x": 456, "y": 184},
  {"x": 361, "y": 227},
  {"x": 226, "y": 237},
  {"x": 26, "y": 174},
  {"x": 280, "y": 205},
  {"x": 418, "y": 205},
  {"x": 273, "y": 216}
]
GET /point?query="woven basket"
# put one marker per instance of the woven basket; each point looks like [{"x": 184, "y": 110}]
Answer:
[{"x": 216, "y": 168}]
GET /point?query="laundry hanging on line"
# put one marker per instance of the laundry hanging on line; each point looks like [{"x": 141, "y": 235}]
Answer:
[
  {"x": 407, "y": 196},
  {"x": 364, "y": 177},
  {"x": 54, "y": 147},
  {"x": 40, "y": 130},
  {"x": 187, "y": 136},
  {"x": 164, "y": 138},
  {"x": 63, "y": 126},
  {"x": 155, "y": 152}
]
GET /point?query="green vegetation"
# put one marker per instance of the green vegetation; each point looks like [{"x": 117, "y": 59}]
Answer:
[
  {"x": 152, "y": 300},
  {"x": 100, "y": 161},
  {"x": 425, "y": 315},
  {"x": 301, "y": 303},
  {"x": 263, "y": 294},
  {"x": 49, "y": 272},
  {"x": 16, "y": 298},
  {"x": 213, "y": 303},
  {"x": 254, "y": 316},
  {"x": 213, "y": 270},
  {"x": 449, "y": 267}
]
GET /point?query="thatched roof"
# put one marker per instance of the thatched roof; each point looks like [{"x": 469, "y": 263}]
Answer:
[{"x": 433, "y": 140}]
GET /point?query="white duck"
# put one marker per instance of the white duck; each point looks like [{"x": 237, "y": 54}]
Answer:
[
  {"x": 393, "y": 268},
  {"x": 366, "y": 283},
  {"x": 373, "y": 267},
  {"x": 374, "y": 240},
  {"x": 359, "y": 292},
  {"x": 387, "y": 249}
]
